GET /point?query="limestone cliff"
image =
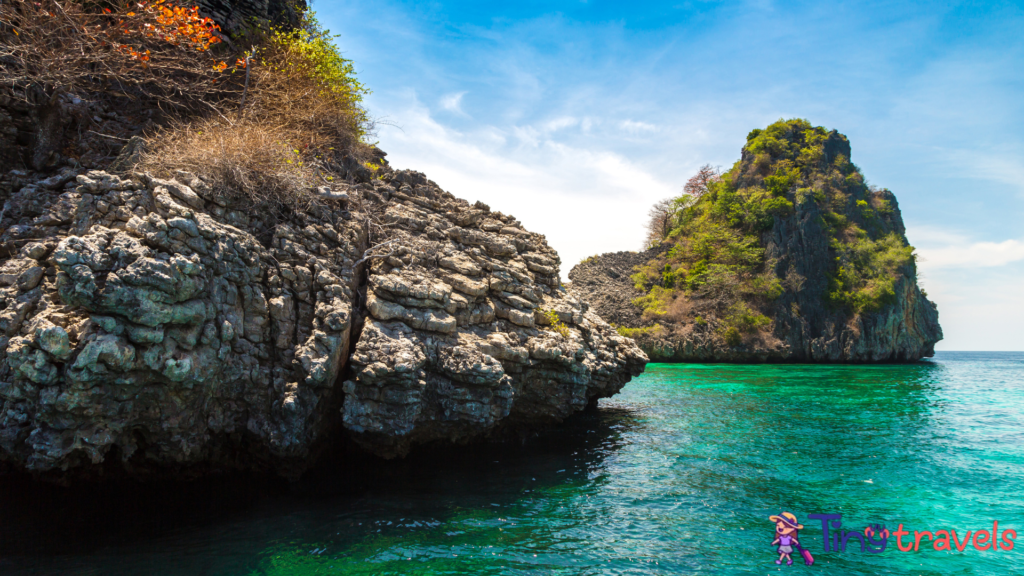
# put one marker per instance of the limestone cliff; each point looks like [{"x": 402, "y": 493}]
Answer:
[
  {"x": 788, "y": 256},
  {"x": 153, "y": 325}
]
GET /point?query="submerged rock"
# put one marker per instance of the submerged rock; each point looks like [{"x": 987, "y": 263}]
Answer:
[{"x": 149, "y": 324}]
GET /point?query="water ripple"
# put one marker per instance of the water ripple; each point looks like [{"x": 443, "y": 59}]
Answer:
[{"x": 676, "y": 475}]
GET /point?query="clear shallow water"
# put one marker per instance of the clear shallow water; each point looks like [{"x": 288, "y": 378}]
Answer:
[{"x": 676, "y": 475}]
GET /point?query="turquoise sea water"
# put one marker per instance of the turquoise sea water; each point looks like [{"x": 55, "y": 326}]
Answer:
[{"x": 676, "y": 475}]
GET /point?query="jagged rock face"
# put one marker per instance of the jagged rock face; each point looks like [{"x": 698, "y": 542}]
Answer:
[
  {"x": 150, "y": 324},
  {"x": 138, "y": 317},
  {"x": 31, "y": 130},
  {"x": 905, "y": 330},
  {"x": 456, "y": 340}
]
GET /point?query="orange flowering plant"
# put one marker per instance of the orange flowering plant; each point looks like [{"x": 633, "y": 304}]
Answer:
[
  {"x": 149, "y": 49},
  {"x": 176, "y": 25}
]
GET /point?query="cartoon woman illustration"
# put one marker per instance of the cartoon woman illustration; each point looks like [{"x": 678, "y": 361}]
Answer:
[{"x": 786, "y": 531}]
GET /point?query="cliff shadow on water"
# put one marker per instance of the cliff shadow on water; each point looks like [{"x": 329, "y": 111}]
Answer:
[{"x": 42, "y": 521}]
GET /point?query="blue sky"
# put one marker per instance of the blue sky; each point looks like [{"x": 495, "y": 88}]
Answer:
[{"x": 576, "y": 116}]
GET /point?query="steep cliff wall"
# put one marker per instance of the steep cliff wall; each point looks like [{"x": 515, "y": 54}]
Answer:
[
  {"x": 154, "y": 325},
  {"x": 788, "y": 256}
]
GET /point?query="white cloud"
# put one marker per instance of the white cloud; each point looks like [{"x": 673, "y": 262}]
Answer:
[
  {"x": 978, "y": 171},
  {"x": 977, "y": 254},
  {"x": 589, "y": 199},
  {"x": 569, "y": 137},
  {"x": 931, "y": 235},
  {"x": 1002, "y": 166},
  {"x": 560, "y": 123},
  {"x": 939, "y": 248},
  {"x": 585, "y": 200},
  {"x": 453, "y": 102},
  {"x": 636, "y": 127},
  {"x": 977, "y": 286},
  {"x": 978, "y": 309}
]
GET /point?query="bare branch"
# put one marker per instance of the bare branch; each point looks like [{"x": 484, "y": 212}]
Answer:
[
  {"x": 108, "y": 136},
  {"x": 662, "y": 219},
  {"x": 368, "y": 256},
  {"x": 700, "y": 183},
  {"x": 248, "y": 68},
  {"x": 72, "y": 47}
]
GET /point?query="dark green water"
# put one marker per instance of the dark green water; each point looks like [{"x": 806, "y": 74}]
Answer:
[{"x": 676, "y": 475}]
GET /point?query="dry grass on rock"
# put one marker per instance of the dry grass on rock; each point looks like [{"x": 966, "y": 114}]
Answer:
[
  {"x": 241, "y": 156},
  {"x": 270, "y": 124},
  {"x": 302, "y": 116},
  {"x": 122, "y": 51}
]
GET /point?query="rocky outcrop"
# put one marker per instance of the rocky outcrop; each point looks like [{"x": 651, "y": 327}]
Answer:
[
  {"x": 141, "y": 322},
  {"x": 152, "y": 324},
  {"x": 803, "y": 247},
  {"x": 804, "y": 329},
  {"x": 457, "y": 338}
]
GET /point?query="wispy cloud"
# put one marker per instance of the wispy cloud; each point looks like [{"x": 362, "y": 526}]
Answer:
[
  {"x": 636, "y": 127},
  {"x": 940, "y": 248},
  {"x": 974, "y": 255},
  {"x": 979, "y": 309},
  {"x": 976, "y": 284},
  {"x": 586, "y": 201},
  {"x": 560, "y": 123},
  {"x": 999, "y": 165},
  {"x": 453, "y": 102},
  {"x": 582, "y": 116}
]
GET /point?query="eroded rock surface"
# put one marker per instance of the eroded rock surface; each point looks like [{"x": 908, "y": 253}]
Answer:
[
  {"x": 137, "y": 318},
  {"x": 150, "y": 323},
  {"x": 459, "y": 336}
]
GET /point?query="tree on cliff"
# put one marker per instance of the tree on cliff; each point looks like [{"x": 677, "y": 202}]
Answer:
[
  {"x": 663, "y": 215},
  {"x": 699, "y": 184},
  {"x": 662, "y": 219}
]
